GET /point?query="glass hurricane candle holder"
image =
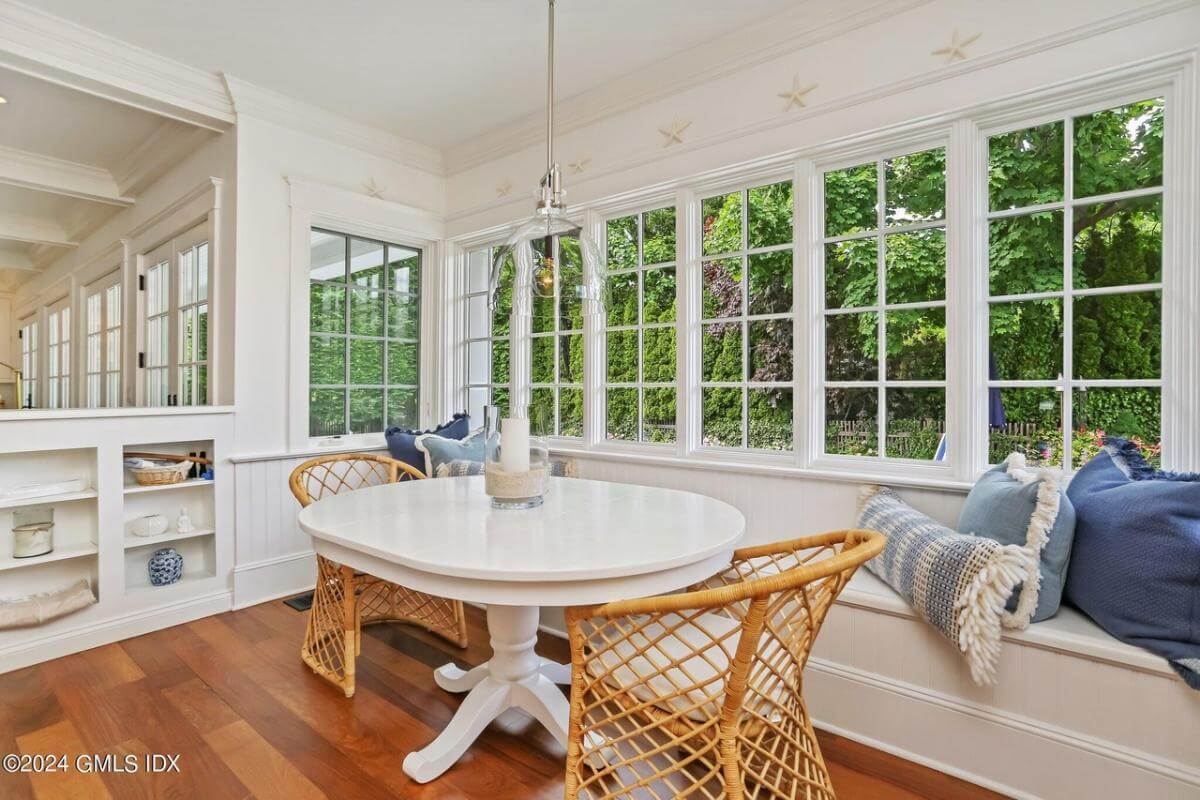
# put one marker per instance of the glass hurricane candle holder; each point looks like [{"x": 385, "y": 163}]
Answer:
[{"x": 516, "y": 466}]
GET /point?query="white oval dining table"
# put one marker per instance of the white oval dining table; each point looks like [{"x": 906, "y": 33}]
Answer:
[{"x": 590, "y": 542}]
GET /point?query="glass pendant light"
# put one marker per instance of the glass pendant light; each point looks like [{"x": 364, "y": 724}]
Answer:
[{"x": 548, "y": 255}]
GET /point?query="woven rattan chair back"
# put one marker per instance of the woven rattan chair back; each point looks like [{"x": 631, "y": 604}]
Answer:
[
  {"x": 699, "y": 694},
  {"x": 328, "y": 475}
]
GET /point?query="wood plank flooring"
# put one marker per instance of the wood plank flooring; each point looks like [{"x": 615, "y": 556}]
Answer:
[{"x": 229, "y": 695}]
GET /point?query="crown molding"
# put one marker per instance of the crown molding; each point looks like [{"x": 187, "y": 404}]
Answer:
[
  {"x": 255, "y": 101},
  {"x": 56, "y": 176},
  {"x": 54, "y": 49},
  {"x": 944, "y": 73},
  {"x": 754, "y": 44}
]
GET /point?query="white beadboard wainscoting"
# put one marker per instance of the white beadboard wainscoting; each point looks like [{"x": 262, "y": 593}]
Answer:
[{"x": 1074, "y": 714}]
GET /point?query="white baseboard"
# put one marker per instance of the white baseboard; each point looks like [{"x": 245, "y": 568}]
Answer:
[
  {"x": 114, "y": 630},
  {"x": 272, "y": 578}
]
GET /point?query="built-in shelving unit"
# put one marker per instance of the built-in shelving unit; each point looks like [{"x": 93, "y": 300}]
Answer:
[
  {"x": 193, "y": 496},
  {"x": 92, "y": 534},
  {"x": 76, "y": 522}
]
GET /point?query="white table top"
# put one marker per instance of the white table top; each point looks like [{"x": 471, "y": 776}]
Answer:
[{"x": 585, "y": 530}]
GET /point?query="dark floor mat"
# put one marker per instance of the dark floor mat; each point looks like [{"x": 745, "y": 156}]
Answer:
[{"x": 301, "y": 602}]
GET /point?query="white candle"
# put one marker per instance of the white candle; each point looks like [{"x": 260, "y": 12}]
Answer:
[{"x": 514, "y": 444}]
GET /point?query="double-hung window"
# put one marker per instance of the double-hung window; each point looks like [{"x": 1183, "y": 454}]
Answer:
[
  {"x": 640, "y": 335},
  {"x": 30, "y": 335},
  {"x": 58, "y": 354},
  {"x": 102, "y": 326},
  {"x": 1075, "y": 284},
  {"x": 176, "y": 313},
  {"x": 884, "y": 298},
  {"x": 747, "y": 325},
  {"x": 364, "y": 325}
]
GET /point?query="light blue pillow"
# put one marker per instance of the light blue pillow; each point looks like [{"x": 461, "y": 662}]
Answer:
[
  {"x": 1025, "y": 507},
  {"x": 439, "y": 450},
  {"x": 559, "y": 468}
]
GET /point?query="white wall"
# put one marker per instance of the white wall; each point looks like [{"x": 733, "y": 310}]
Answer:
[
  {"x": 878, "y": 75},
  {"x": 267, "y": 155}
]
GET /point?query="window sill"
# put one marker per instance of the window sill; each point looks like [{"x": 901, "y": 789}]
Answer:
[
  {"x": 24, "y": 415},
  {"x": 745, "y": 466},
  {"x": 357, "y": 444}
]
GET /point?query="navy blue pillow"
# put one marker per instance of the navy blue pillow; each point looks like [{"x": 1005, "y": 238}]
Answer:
[
  {"x": 1135, "y": 567},
  {"x": 402, "y": 444}
]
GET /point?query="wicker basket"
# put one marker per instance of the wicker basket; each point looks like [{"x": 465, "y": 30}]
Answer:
[{"x": 162, "y": 476}]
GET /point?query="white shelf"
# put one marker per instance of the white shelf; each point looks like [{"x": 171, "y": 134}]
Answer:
[
  {"x": 142, "y": 582},
  {"x": 132, "y": 541},
  {"x": 188, "y": 484},
  {"x": 57, "y": 554},
  {"x": 47, "y": 499}
]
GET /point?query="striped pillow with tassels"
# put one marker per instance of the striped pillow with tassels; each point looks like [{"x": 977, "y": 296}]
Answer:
[{"x": 957, "y": 583}]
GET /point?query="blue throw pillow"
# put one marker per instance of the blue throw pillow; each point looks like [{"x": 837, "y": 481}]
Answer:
[
  {"x": 1026, "y": 507},
  {"x": 1135, "y": 569},
  {"x": 439, "y": 450},
  {"x": 402, "y": 444}
]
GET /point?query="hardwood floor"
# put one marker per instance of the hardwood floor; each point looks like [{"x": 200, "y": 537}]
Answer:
[{"x": 229, "y": 695}]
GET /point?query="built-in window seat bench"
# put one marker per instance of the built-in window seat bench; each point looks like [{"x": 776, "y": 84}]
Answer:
[{"x": 1074, "y": 712}]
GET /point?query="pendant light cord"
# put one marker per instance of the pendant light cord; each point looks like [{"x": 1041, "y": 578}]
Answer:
[{"x": 550, "y": 92}]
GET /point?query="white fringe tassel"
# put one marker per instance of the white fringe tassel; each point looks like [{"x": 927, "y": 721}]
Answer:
[
  {"x": 1045, "y": 514},
  {"x": 980, "y": 606}
]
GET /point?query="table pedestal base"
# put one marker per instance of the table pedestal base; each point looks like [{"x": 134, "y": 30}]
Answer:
[{"x": 515, "y": 677}]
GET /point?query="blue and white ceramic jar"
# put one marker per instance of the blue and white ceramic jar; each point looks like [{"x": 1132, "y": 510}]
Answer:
[{"x": 165, "y": 566}]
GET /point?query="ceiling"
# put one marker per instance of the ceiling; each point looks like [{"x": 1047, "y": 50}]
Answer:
[
  {"x": 435, "y": 72},
  {"x": 68, "y": 162}
]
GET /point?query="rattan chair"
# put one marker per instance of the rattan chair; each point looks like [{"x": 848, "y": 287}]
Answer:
[
  {"x": 344, "y": 600},
  {"x": 699, "y": 694}
]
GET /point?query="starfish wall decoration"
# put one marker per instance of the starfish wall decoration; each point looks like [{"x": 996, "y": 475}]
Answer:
[
  {"x": 580, "y": 165},
  {"x": 373, "y": 189},
  {"x": 795, "y": 96},
  {"x": 504, "y": 189},
  {"x": 674, "y": 134},
  {"x": 957, "y": 49}
]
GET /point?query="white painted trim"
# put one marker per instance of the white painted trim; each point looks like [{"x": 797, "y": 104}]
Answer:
[
  {"x": 56, "y": 176},
  {"x": 313, "y": 204},
  {"x": 37, "y": 43},
  {"x": 273, "y": 578},
  {"x": 34, "y": 230},
  {"x": 255, "y": 101},
  {"x": 978, "y": 714},
  {"x": 116, "y": 629}
]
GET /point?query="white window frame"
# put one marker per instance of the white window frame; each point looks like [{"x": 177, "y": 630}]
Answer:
[
  {"x": 476, "y": 343},
  {"x": 317, "y": 205},
  {"x": 881, "y": 383},
  {"x": 962, "y": 133},
  {"x": 58, "y": 340},
  {"x": 745, "y": 318},
  {"x": 166, "y": 261},
  {"x": 388, "y": 294},
  {"x": 639, "y": 271},
  {"x": 30, "y": 335},
  {"x": 104, "y": 298},
  {"x": 1067, "y": 384}
]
